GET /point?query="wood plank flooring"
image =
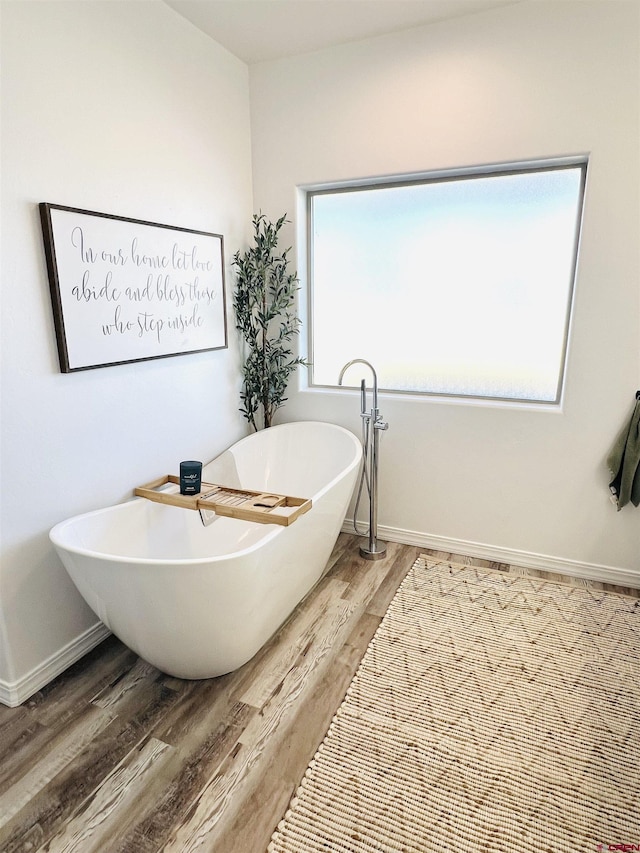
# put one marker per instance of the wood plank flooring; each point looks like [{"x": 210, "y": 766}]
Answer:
[{"x": 113, "y": 756}]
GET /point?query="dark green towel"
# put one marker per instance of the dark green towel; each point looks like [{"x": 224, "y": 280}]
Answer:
[{"x": 624, "y": 462}]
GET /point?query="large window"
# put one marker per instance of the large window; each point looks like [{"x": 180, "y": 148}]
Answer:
[{"x": 457, "y": 284}]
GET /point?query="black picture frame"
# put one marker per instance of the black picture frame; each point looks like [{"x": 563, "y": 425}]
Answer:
[{"x": 126, "y": 290}]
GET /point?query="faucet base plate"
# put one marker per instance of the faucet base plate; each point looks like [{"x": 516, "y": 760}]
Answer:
[{"x": 376, "y": 553}]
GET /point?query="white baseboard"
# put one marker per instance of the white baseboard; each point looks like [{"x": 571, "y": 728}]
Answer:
[
  {"x": 17, "y": 692},
  {"x": 526, "y": 559}
]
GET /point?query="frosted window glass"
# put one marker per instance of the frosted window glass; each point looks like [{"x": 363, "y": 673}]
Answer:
[{"x": 459, "y": 286}]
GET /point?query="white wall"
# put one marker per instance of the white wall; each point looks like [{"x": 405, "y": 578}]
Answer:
[
  {"x": 120, "y": 108},
  {"x": 537, "y": 79}
]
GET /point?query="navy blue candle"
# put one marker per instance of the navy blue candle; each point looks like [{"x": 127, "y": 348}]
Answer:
[{"x": 190, "y": 477}]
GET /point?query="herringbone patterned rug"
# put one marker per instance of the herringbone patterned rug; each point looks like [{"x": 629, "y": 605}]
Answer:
[{"x": 491, "y": 712}]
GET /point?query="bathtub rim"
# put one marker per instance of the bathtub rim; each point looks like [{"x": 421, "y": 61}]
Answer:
[{"x": 59, "y": 528}]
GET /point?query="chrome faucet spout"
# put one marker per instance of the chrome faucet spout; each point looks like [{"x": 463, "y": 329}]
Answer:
[{"x": 375, "y": 380}]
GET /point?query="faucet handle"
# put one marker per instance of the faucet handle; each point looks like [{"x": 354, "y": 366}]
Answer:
[{"x": 380, "y": 424}]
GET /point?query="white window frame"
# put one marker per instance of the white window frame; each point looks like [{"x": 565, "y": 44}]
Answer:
[{"x": 309, "y": 192}]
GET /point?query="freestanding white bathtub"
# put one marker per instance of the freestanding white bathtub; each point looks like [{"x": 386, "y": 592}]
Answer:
[{"x": 199, "y": 601}]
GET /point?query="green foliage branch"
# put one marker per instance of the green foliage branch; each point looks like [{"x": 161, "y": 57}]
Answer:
[{"x": 264, "y": 303}]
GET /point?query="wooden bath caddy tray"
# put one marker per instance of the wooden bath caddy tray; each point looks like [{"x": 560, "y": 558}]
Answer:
[{"x": 236, "y": 503}]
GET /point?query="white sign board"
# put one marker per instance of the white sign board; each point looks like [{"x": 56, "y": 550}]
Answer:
[{"x": 125, "y": 290}]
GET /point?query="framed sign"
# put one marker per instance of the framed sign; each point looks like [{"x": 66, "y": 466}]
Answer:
[{"x": 125, "y": 290}]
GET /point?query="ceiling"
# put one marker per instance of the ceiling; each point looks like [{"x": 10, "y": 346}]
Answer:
[{"x": 258, "y": 30}]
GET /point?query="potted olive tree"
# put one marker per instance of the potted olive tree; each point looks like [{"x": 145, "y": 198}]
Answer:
[{"x": 264, "y": 303}]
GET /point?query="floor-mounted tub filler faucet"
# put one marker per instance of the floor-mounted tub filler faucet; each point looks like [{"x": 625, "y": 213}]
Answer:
[{"x": 372, "y": 423}]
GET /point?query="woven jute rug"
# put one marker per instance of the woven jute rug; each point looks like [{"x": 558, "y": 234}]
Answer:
[{"x": 491, "y": 712}]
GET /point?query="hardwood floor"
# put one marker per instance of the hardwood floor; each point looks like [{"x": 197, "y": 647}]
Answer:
[{"x": 113, "y": 756}]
